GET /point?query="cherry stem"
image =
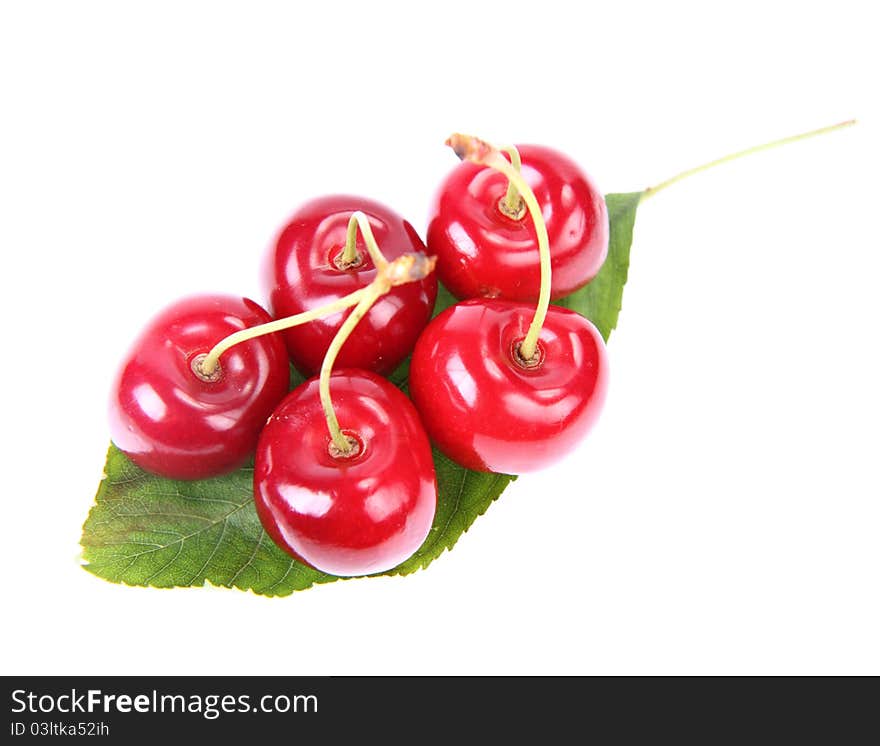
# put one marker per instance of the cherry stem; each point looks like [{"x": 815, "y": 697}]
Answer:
[
  {"x": 209, "y": 363},
  {"x": 479, "y": 151},
  {"x": 512, "y": 204},
  {"x": 406, "y": 268},
  {"x": 340, "y": 441},
  {"x": 349, "y": 257},
  {"x": 741, "y": 154}
]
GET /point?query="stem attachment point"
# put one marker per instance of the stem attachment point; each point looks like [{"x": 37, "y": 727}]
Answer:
[
  {"x": 340, "y": 262},
  {"x": 531, "y": 363},
  {"x": 202, "y": 372},
  {"x": 354, "y": 447},
  {"x": 516, "y": 211}
]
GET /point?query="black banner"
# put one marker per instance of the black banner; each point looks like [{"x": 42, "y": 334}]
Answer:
[{"x": 413, "y": 709}]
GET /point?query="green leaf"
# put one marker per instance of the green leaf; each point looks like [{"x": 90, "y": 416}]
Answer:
[
  {"x": 600, "y": 300},
  {"x": 149, "y": 531},
  {"x": 144, "y": 530}
]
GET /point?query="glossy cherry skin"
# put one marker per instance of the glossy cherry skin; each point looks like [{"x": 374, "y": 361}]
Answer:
[
  {"x": 300, "y": 273},
  {"x": 488, "y": 412},
  {"x": 174, "y": 424},
  {"x": 481, "y": 252},
  {"x": 346, "y": 516}
]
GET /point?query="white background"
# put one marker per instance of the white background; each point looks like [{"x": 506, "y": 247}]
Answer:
[{"x": 722, "y": 518}]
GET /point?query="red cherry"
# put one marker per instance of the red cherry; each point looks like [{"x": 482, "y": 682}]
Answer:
[
  {"x": 169, "y": 419},
  {"x": 481, "y": 252},
  {"x": 354, "y": 515},
  {"x": 301, "y": 273},
  {"x": 485, "y": 408}
]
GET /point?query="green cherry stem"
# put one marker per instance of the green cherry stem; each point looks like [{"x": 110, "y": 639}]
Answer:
[
  {"x": 741, "y": 154},
  {"x": 479, "y": 151},
  {"x": 349, "y": 257},
  {"x": 341, "y": 444},
  {"x": 406, "y": 268},
  {"x": 207, "y": 365}
]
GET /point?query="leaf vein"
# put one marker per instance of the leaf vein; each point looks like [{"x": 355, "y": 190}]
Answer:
[
  {"x": 250, "y": 559},
  {"x": 464, "y": 477},
  {"x": 213, "y": 551},
  {"x": 282, "y": 578},
  {"x": 184, "y": 538},
  {"x": 167, "y": 564}
]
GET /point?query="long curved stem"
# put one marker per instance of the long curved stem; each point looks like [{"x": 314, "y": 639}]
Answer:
[
  {"x": 371, "y": 294},
  {"x": 349, "y": 255},
  {"x": 209, "y": 363},
  {"x": 405, "y": 268},
  {"x": 479, "y": 151},
  {"x": 529, "y": 345},
  {"x": 741, "y": 154}
]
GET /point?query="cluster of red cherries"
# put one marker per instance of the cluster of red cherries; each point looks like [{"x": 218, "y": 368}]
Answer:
[{"x": 501, "y": 381}]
